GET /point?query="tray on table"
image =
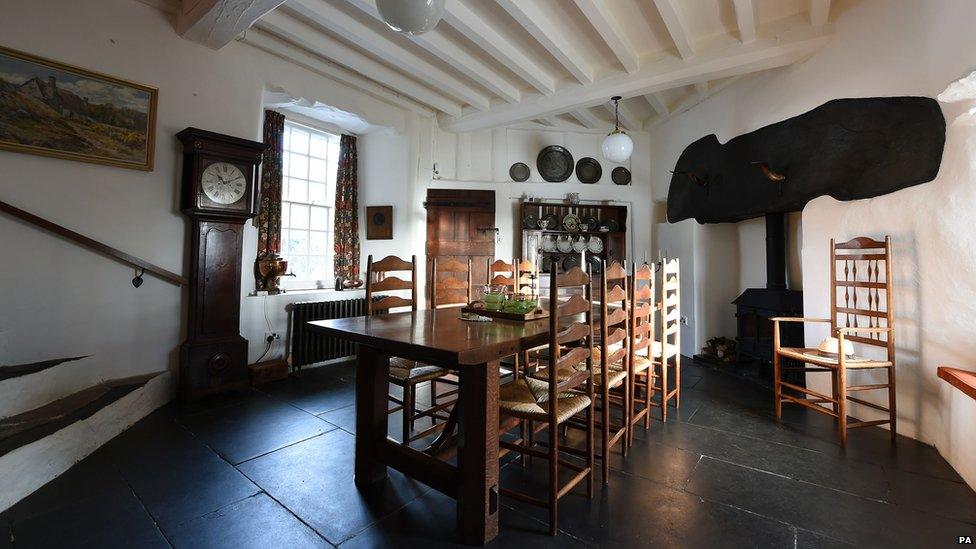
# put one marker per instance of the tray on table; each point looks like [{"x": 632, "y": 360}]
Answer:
[{"x": 507, "y": 315}]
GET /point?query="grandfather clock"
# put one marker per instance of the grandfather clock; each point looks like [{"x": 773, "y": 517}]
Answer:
[{"x": 219, "y": 193}]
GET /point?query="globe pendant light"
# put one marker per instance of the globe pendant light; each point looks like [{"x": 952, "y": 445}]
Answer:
[
  {"x": 618, "y": 146},
  {"x": 411, "y": 16}
]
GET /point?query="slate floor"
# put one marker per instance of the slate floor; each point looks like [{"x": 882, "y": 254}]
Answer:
[{"x": 273, "y": 468}]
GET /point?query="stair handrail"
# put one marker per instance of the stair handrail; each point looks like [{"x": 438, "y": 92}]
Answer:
[{"x": 96, "y": 246}]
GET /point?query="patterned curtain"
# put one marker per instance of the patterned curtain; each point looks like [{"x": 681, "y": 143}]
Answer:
[
  {"x": 269, "y": 216},
  {"x": 347, "y": 211}
]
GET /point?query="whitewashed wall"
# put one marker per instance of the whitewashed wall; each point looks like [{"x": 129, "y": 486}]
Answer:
[{"x": 881, "y": 48}]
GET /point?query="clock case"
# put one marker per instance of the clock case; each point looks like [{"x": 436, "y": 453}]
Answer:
[{"x": 214, "y": 356}]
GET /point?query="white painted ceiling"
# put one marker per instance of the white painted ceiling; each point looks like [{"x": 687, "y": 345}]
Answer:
[{"x": 549, "y": 62}]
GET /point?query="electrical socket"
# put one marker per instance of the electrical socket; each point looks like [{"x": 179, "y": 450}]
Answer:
[
  {"x": 271, "y": 336},
  {"x": 684, "y": 321}
]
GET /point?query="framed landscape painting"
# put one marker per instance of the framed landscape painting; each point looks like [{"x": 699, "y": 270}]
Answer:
[{"x": 52, "y": 109}]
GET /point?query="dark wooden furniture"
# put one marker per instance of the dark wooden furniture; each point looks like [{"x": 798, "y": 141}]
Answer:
[
  {"x": 461, "y": 226},
  {"x": 529, "y": 399},
  {"x": 861, "y": 312},
  {"x": 963, "y": 380},
  {"x": 668, "y": 350},
  {"x": 614, "y": 242},
  {"x": 642, "y": 310},
  {"x": 218, "y": 195},
  {"x": 471, "y": 350},
  {"x": 403, "y": 372}
]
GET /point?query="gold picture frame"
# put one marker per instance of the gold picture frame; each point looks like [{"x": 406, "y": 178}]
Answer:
[{"x": 49, "y": 108}]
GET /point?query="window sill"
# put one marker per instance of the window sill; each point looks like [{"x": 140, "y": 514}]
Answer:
[{"x": 358, "y": 292}]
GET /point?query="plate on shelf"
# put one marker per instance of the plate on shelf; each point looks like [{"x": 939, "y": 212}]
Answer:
[
  {"x": 555, "y": 164},
  {"x": 596, "y": 265},
  {"x": 610, "y": 225},
  {"x": 564, "y": 244},
  {"x": 547, "y": 263},
  {"x": 548, "y": 222},
  {"x": 579, "y": 244},
  {"x": 588, "y": 170},
  {"x": 530, "y": 221},
  {"x": 620, "y": 176},
  {"x": 571, "y": 222},
  {"x": 548, "y": 244},
  {"x": 519, "y": 172},
  {"x": 570, "y": 262},
  {"x": 595, "y": 244},
  {"x": 591, "y": 223}
]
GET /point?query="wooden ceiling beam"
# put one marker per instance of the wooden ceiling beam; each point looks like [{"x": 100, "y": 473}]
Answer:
[
  {"x": 677, "y": 28},
  {"x": 474, "y": 28},
  {"x": 589, "y": 119},
  {"x": 693, "y": 99},
  {"x": 745, "y": 18},
  {"x": 215, "y": 23},
  {"x": 723, "y": 58},
  {"x": 549, "y": 34},
  {"x": 352, "y": 30},
  {"x": 599, "y": 14},
  {"x": 819, "y": 12},
  {"x": 657, "y": 103},
  {"x": 442, "y": 47},
  {"x": 321, "y": 44},
  {"x": 628, "y": 119}
]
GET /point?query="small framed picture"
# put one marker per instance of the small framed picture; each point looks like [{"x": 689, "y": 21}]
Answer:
[{"x": 379, "y": 222}]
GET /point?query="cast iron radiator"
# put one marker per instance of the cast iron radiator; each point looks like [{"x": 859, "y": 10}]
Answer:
[{"x": 308, "y": 347}]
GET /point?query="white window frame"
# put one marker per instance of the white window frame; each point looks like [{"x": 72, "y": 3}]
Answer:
[{"x": 307, "y": 205}]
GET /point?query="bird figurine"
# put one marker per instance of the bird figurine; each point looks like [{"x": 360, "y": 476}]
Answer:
[{"x": 770, "y": 174}]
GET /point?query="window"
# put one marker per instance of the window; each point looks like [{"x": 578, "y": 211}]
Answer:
[{"x": 311, "y": 158}]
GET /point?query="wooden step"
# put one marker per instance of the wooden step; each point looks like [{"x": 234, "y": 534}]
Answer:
[
  {"x": 31, "y": 426},
  {"x": 963, "y": 380},
  {"x": 19, "y": 370}
]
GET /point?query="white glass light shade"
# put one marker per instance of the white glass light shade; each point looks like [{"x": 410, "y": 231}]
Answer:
[
  {"x": 617, "y": 147},
  {"x": 411, "y": 16}
]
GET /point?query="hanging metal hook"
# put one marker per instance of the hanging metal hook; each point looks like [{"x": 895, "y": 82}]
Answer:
[{"x": 137, "y": 281}]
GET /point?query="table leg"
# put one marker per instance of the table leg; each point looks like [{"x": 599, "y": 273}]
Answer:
[
  {"x": 372, "y": 393},
  {"x": 477, "y": 511}
]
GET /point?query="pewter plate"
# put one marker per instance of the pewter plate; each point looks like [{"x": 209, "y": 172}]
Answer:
[{"x": 555, "y": 164}]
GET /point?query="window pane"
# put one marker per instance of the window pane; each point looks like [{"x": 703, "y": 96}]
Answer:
[
  {"x": 316, "y": 169},
  {"x": 316, "y": 193},
  {"x": 287, "y": 137},
  {"x": 298, "y": 166},
  {"x": 299, "y": 266},
  {"x": 320, "y": 146},
  {"x": 297, "y": 190},
  {"x": 285, "y": 215},
  {"x": 285, "y": 162},
  {"x": 320, "y": 219},
  {"x": 318, "y": 243},
  {"x": 299, "y": 141},
  {"x": 297, "y": 243},
  {"x": 333, "y": 165},
  {"x": 299, "y": 216},
  {"x": 320, "y": 268}
]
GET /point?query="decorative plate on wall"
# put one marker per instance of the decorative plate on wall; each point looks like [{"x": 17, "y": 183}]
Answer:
[
  {"x": 519, "y": 172},
  {"x": 588, "y": 170},
  {"x": 555, "y": 164},
  {"x": 620, "y": 175}
]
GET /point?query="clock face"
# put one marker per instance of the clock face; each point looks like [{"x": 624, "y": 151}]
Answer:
[{"x": 223, "y": 183}]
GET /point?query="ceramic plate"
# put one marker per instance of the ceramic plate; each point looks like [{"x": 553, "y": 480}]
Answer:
[
  {"x": 595, "y": 244},
  {"x": 596, "y": 265},
  {"x": 519, "y": 172},
  {"x": 548, "y": 244},
  {"x": 530, "y": 221},
  {"x": 570, "y": 262},
  {"x": 579, "y": 244},
  {"x": 564, "y": 245},
  {"x": 588, "y": 170},
  {"x": 591, "y": 223},
  {"x": 549, "y": 222},
  {"x": 571, "y": 222},
  {"x": 555, "y": 164},
  {"x": 612, "y": 225},
  {"x": 620, "y": 175},
  {"x": 547, "y": 263}
]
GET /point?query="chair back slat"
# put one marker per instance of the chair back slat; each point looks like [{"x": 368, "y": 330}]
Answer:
[
  {"x": 574, "y": 332},
  {"x": 576, "y": 304},
  {"x": 377, "y": 280},
  {"x": 503, "y": 273}
]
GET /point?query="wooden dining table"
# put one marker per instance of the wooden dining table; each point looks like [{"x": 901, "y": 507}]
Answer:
[{"x": 472, "y": 351}]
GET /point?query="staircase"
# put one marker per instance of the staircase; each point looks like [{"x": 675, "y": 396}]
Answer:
[{"x": 38, "y": 444}]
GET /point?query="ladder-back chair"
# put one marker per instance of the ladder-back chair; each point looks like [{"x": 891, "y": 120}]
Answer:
[
  {"x": 861, "y": 311},
  {"x": 668, "y": 350},
  {"x": 404, "y": 373},
  {"x": 642, "y": 306},
  {"x": 531, "y": 400},
  {"x": 450, "y": 282},
  {"x": 502, "y": 273}
]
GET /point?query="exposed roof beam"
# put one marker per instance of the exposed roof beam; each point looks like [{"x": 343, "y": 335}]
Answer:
[
  {"x": 701, "y": 88},
  {"x": 677, "y": 28},
  {"x": 725, "y": 57},
  {"x": 354, "y": 31},
  {"x": 819, "y": 12},
  {"x": 322, "y": 44},
  {"x": 550, "y": 35},
  {"x": 481, "y": 33},
  {"x": 691, "y": 100},
  {"x": 215, "y": 23},
  {"x": 629, "y": 120},
  {"x": 587, "y": 118},
  {"x": 437, "y": 43},
  {"x": 745, "y": 17},
  {"x": 599, "y": 15},
  {"x": 275, "y": 46},
  {"x": 657, "y": 103}
]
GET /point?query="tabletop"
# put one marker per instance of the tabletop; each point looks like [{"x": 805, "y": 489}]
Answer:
[{"x": 439, "y": 336}]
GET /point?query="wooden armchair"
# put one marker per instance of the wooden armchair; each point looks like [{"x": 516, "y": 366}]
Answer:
[{"x": 860, "y": 312}]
